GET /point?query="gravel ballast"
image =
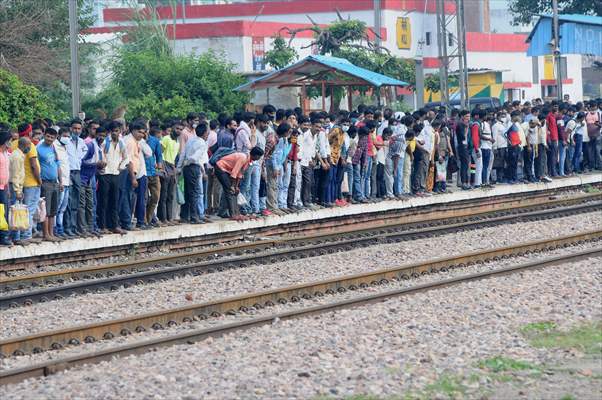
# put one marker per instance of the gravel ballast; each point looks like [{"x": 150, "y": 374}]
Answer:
[
  {"x": 151, "y": 297},
  {"x": 394, "y": 348}
]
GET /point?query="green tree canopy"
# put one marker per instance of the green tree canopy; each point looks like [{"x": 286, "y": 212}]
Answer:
[
  {"x": 280, "y": 55},
  {"x": 20, "y": 102},
  {"x": 524, "y": 10}
]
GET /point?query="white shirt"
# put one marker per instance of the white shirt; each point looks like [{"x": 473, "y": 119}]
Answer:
[
  {"x": 308, "y": 147},
  {"x": 426, "y": 137},
  {"x": 498, "y": 130},
  {"x": 322, "y": 144},
  {"x": 61, "y": 152},
  {"x": 146, "y": 152},
  {"x": 486, "y": 142}
]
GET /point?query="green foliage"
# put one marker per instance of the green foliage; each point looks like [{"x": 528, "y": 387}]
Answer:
[
  {"x": 525, "y": 10},
  {"x": 538, "y": 327},
  {"x": 164, "y": 85},
  {"x": 20, "y": 102},
  {"x": 503, "y": 364},
  {"x": 280, "y": 55},
  {"x": 586, "y": 338},
  {"x": 149, "y": 34},
  {"x": 338, "y": 34},
  {"x": 432, "y": 82}
]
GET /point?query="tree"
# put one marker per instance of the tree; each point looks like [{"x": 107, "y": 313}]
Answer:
[
  {"x": 150, "y": 80},
  {"x": 525, "y": 10},
  {"x": 281, "y": 55},
  {"x": 349, "y": 39},
  {"x": 20, "y": 102},
  {"x": 34, "y": 39}
]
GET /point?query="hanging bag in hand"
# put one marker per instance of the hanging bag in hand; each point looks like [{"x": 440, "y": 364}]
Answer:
[{"x": 18, "y": 217}]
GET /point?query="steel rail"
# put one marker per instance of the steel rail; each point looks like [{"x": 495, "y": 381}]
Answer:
[
  {"x": 352, "y": 222},
  {"x": 88, "y": 333},
  {"x": 140, "y": 347},
  {"x": 272, "y": 255}
]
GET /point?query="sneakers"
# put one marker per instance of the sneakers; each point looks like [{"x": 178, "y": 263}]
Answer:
[{"x": 266, "y": 213}]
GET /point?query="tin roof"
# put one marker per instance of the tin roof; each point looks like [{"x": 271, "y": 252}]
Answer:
[
  {"x": 579, "y": 34},
  {"x": 314, "y": 65}
]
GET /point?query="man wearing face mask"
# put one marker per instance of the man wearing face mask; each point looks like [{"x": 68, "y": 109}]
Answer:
[
  {"x": 60, "y": 146},
  {"x": 74, "y": 218},
  {"x": 192, "y": 120}
]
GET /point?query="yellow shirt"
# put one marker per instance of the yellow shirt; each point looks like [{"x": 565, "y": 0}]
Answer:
[
  {"x": 412, "y": 145},
  {"x": 170, "y": 149},
  {"x": 30, "y": 180}
]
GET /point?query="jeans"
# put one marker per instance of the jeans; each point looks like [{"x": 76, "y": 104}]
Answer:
[
  {"x": 464, "y": 157},
  {"x": 332, "y": 184},
  {"x": 74, "y": 219},
  {"x": 552, "y": 155},
  {"x": 126, "y": 200},
  {"x": 284, "y": 179},
  {"x": 407, "y": 173},
  {"x": 388, "y": 176},
  {"x": 60, "y": 213},
  {"x": 398, "y": 176},
  {"x": 478, "y": 162},
  {"x": 421, "y": 167},
  {"x": 108, "y": 201},
  {"x": 358, "y": 192},
  {"x": 373, "y": 181},
  {"x": 486, "y": 155},
  {"x": 141, "y": 201},
  {"x": 307, "y": 175},
  {"x": 89, "y": 211},
  {"x": 594, "y": 152},
  {"x": 189, "y": 210},
  {"x": 168, "y": 190},
  {"x": 201, "y": 203},
  {"x": 381, "y": 190},
  {"x": 228, "y": 196},
  {"x": 255, "y": 180},
  {"x": 541, "y": 162},
  {"x": 245, "y": 189},
  {"x": 529, "y": 163},
  {"x": 577, "y": 153},
  {"x": 366, "y": 175},
  {"x": 562, "y": 150},
  {"x": 31, "y": 197}
]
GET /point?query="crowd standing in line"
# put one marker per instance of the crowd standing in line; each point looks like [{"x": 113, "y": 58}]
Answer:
[{"x": 87, "y": 178}]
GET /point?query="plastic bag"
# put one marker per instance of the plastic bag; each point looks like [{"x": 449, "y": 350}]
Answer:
[
  {"x": 18, "y": 217},
  {"x": 180, "y": 190},
  {"x": 241, "y": 200},
  {"x": 3, "y": 221},
  {"x": 40, "y": 214}
]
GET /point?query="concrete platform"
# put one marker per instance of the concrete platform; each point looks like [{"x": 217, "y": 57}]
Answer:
[{"x": 182, "y": 232}]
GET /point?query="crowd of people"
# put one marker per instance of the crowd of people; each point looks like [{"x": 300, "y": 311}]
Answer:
[{"x": 95, "y": 177}]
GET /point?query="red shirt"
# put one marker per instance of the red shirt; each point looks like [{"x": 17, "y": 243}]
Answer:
[
  {"x": 476, "y": 139},
  {"x": 552, "y": 127}
]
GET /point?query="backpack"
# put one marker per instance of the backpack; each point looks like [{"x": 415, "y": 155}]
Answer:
[
  {"x": 108, "y": 143},
  {"x": 219, "y": 154}
]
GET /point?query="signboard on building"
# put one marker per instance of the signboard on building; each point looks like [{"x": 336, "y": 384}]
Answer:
[
  {"x": 404, "y": 33},
  {"x": 258, "y": 49}
]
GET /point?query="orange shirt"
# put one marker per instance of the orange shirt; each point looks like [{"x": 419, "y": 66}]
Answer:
[
  {"x": 235, "y": 164},
  {"x": 132, "y": 147}
]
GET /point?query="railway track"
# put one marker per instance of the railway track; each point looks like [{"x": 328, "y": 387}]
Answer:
[
  {"x": 240, "y": 304},
  {"x": 114, "y": 276},
  {"x": 355, "y": 221}
]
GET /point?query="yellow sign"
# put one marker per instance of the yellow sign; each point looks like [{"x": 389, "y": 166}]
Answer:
[
  {"x": 404, "y": 33},
  {"x": 548, "y": 67}
]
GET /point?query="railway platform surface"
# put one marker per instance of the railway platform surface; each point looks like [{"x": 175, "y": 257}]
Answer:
[{"x": 227, "y": 226}]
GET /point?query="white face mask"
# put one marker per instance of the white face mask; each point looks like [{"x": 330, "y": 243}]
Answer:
[
  {"x": 64, "y": 140},
  {"x": 194, "y": 126},
  {"x": 345, "y": 128}
]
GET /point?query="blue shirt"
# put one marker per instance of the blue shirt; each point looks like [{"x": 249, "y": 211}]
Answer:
[
  {"x": 155, "y": 158},
  {"x": 280, "y": 153},
  {"x": 49, "y": 163},
  {"x": 225, "y": 138}
]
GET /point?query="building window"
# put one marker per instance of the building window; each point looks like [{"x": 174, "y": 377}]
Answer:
[
  {"x": 450, "y": 39},
  {"x": 428, "y": 38}
]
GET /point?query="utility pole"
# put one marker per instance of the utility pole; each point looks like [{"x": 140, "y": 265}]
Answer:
[
  {"x": 557, "y": 50},
  {"x": 73, "y": 37},
  {"x": 377, "y": 28},
  {"x": 462, "y": 62},
  {"x": 442, "y": 51}
]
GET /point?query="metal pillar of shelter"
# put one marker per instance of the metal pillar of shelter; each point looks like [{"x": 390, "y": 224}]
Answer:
[{"x": 452, "y": 47}]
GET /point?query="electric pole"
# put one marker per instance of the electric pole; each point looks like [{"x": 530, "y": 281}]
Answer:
[
  {"x": 557, "y": 50},
  {"x": 73, "y": 38}
]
